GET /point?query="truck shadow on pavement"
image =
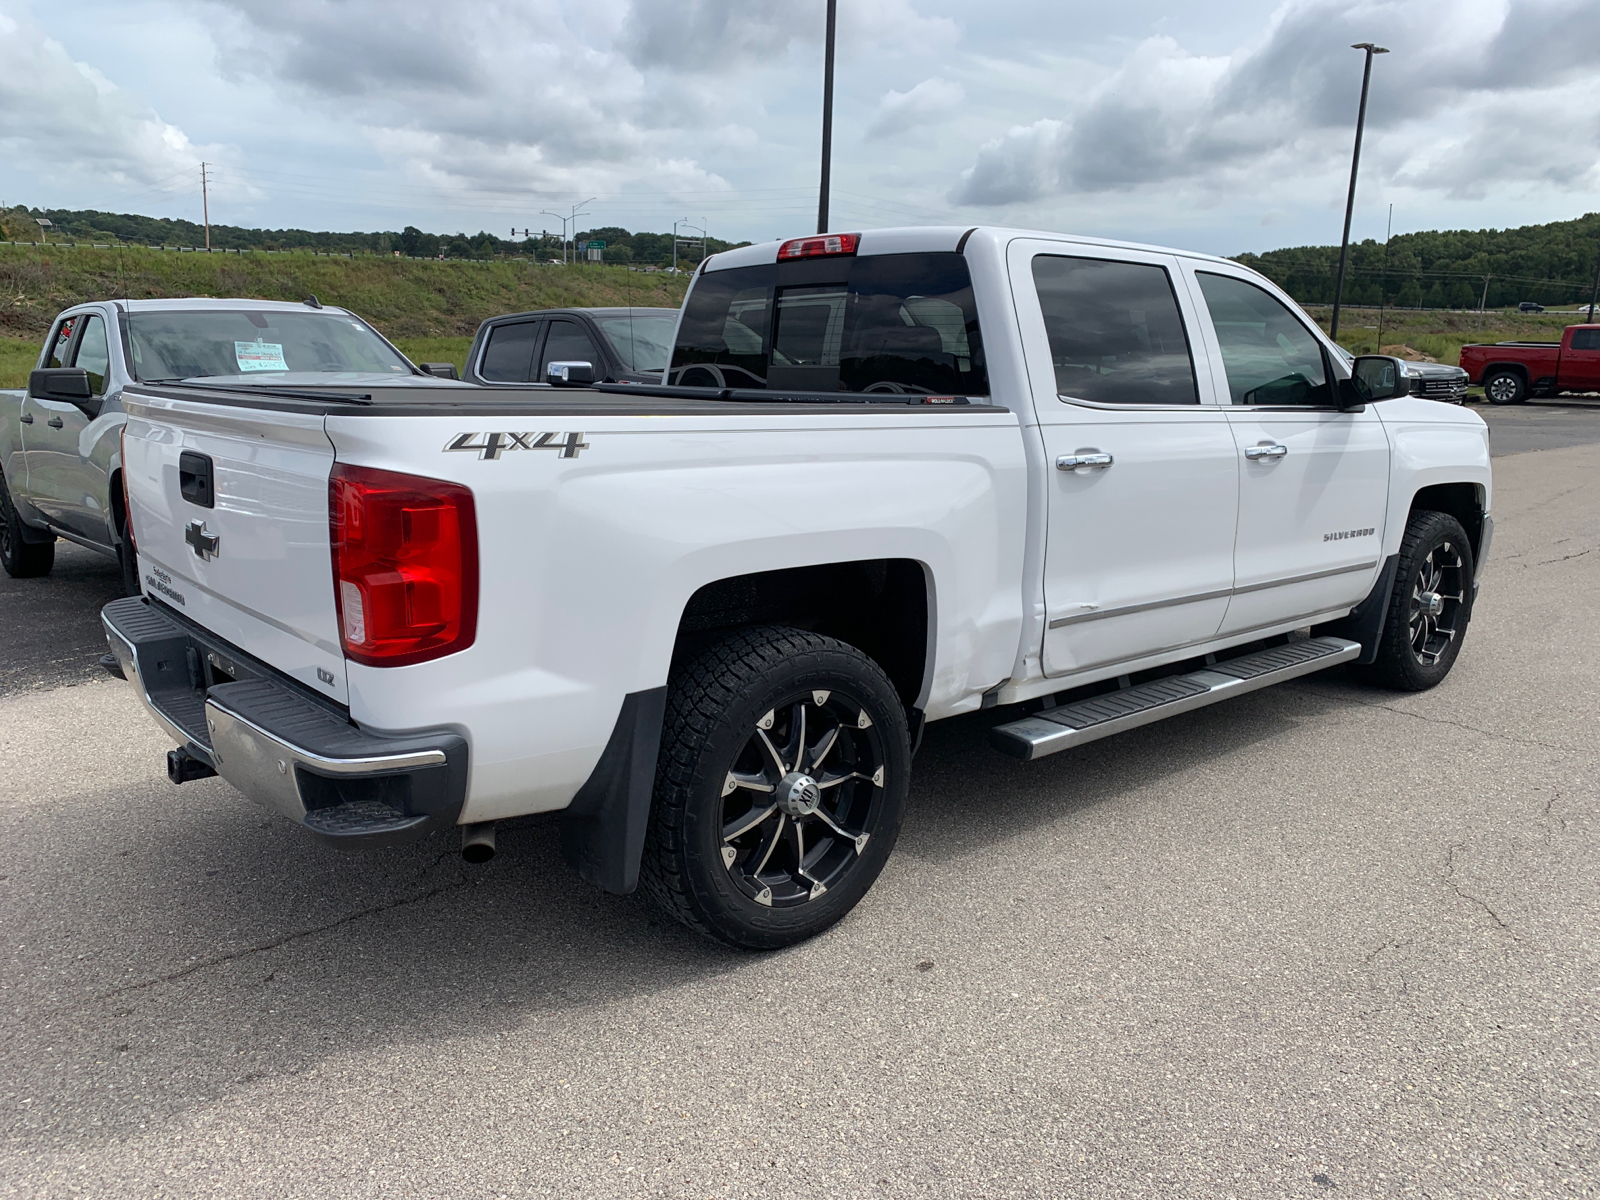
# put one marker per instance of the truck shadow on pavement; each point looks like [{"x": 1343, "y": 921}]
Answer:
[{"x": 220, "y": 949}]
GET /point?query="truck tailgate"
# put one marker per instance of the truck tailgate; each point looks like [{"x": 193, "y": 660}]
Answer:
[{"x": 247, "y": 557}]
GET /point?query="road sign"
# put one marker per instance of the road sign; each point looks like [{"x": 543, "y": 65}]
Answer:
[{"x": 591, "y": 245}]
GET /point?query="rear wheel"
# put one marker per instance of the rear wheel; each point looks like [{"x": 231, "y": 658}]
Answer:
[
  {"x": 785, "y": 762},
  {"x": 1505, "y": 387},
  {"x": 21, "y": 559},
  {"x": 1429, "y": 607}
]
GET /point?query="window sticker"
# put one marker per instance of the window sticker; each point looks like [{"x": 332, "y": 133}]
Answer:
[{"x": 259, "y": 356}]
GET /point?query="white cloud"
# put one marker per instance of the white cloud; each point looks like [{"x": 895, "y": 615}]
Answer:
[
  {"x": 930, "y": 101},
  {"x": 69, "y": 122}
]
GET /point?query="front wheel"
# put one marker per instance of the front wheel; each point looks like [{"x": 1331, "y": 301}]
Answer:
[
  {"x": 1429, "y": 607},
  {"x": 1506, "y": 387},
  {"x": 784, "y": 766},
  {"x": 21, "y": 559}
]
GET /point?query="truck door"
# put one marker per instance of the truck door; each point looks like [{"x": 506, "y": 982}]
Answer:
[
  {"x": 1141, "y": 480},
  {"x": 1313, "y": 482},
  {"x": 67, "y": 445},
  {"x": 1580, "y": 361}
]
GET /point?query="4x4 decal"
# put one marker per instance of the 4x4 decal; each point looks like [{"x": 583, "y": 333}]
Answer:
[{"x": 493, "y": 445}]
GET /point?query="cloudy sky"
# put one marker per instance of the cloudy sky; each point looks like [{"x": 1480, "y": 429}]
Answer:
[{"x": 1222, "y": 127}]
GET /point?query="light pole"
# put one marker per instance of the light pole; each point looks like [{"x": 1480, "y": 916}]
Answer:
[
  {"x": 1355, "y": 164},
  {"x": 43, "y": 224},
  {"x": 573, "y": 218},
  {"x": 827, "y": 117}
]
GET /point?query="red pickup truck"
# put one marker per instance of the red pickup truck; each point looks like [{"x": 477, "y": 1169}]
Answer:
[{"x": 1512, "y": 371}]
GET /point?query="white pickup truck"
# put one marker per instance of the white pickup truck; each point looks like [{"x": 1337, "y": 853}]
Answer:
[{"x": 889, "y": 478}]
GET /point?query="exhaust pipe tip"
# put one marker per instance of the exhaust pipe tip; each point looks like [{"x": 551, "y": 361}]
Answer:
[{"x": 477, "y": 842}]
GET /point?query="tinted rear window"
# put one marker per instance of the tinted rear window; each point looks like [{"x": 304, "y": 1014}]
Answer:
[{"x": 893, "y": 323}]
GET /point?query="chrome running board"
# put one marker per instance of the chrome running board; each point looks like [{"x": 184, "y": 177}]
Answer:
[{"x": 1101, "y": 716}]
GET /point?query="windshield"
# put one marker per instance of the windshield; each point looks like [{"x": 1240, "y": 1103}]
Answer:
[
  {"x": 255, "y": 345},
  {"x": 896, "y": 323},
  {"x": 643, "y": 341}
]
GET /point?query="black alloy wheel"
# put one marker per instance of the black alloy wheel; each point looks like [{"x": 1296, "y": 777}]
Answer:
[
  {"x": 1430, "y": 606},
  {"x": 784, "y": 767},
  {"x": 20, "y": 558}
]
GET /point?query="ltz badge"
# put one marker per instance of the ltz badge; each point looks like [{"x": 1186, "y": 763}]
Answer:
[{"x": 493, "y": 445}]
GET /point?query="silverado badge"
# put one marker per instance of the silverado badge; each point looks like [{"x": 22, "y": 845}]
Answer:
[{"x": 493, "y": 445}]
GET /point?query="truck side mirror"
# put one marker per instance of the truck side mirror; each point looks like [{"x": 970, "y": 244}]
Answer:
[
  {"x": 569, "y": 374},
  {"x": 1375, "y": 377},
  {"x": 70, "y": 384},
  {"x": 439, "y": 370}
]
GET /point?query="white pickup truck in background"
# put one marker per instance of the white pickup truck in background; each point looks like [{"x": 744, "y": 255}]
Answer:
[
  {"x": 60, "y": 438},
  {"x": 891, "y": 478}
]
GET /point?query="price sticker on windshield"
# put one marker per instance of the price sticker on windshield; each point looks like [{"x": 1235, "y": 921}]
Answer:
[{"x": 259, "y": 356}]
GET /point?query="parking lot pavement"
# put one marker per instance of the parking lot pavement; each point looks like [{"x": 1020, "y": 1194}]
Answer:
[
  {"x": 52, "y": 626},
  {"x": 1540, "y": 425},
  {"x": 1318, "y": 940}
]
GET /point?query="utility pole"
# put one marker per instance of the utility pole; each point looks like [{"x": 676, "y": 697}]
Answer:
[
  {"x": 827, "y": 117},
  {"x": 1355, "y": 164},
  {"x": 1383, "y": 285},
  {"x": 205, "y": 205},
  {"x": 1594, "y": 296},
  {"x": 1484, "y": 299}
]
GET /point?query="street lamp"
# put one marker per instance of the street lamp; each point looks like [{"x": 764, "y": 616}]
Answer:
[
  {"x": 1355, "y": 163},
  {"x": 43, "y": 224}
]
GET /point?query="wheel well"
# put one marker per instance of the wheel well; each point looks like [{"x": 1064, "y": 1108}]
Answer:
[
  {"x": 1514, "y": 367},
  {"x": 1461, "y": 501},
  {"x": 118, "y": 507},
  {"x": 880, "y": 606}
]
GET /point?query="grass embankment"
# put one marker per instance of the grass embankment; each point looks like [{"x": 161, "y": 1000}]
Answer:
[
  {"x": 1439, "y": 335},
  {"x": 428, "y": 308}
]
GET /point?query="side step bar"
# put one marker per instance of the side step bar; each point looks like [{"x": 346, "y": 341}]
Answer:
[{"x": 1101, "y": 716}]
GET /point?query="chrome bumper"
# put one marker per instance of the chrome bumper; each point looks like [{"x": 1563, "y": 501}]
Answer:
[{"x": 288, "y": 752}]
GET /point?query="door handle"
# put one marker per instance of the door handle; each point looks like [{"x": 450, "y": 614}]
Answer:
[
  {"x": 54, "y": 422},
  {"x": 1088, "y": 458},
  {"x": 27, "y": 418},
  {"x": 1266, "y": 450}
]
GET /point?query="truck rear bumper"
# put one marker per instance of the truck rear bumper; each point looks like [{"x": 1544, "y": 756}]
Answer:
[{"x": 285, "y": 749}]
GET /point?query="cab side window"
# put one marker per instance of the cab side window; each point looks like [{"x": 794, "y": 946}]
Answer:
[
  {"x": 1586, "y": 339},
  {"x": 1116, "y": 335},
  {"x": 94, "y": 354},
  {"x": 508, "y": 358},
  {"x": 1271, "y": 358},
  {"x": 569, "y": 342},
  {"x": 61, "y": 343}
]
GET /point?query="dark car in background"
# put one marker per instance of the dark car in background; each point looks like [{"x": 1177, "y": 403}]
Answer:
[{"x": 622, "y": 345}]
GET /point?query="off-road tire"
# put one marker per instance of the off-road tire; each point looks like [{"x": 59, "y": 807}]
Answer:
[
  {"x": 21, "y": 559},
  {"x": 716, "y": 699},
  {"x": 1505, "y": 387},
  {"x": 1399, "y": 665}
]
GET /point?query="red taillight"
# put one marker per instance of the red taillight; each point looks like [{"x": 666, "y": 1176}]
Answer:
[
  {"x": 816, "y": 247},
  {"x": 405, "y": 565},
  {"x": 127, "y": 509}
]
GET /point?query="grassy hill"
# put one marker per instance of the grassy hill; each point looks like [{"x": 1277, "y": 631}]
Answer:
[
  {"x": 1452, "y": 268},
  {"x": 429, "y": 308}
]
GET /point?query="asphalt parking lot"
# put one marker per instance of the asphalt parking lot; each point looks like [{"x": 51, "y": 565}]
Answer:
[{"x": 1318, "y": 940}]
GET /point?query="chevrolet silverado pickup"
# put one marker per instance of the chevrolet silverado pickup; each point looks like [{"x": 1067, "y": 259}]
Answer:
[
  {"x": 628, "y": 345},
  {"x": 886, "y": 479},
  {"x": 1510, "y": 372},
  {"x": 60, "y": 439}
]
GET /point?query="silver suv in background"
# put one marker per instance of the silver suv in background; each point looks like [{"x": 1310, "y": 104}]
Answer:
[{"x": 60, "y": 438}]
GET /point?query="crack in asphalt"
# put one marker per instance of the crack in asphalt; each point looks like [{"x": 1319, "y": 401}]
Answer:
[
  {"x": 1491, "y": 733},
  {"x": 271, "y": 943},
  {"x": 1449, "y": 879},
  {"x": 1389, "y": 945}
]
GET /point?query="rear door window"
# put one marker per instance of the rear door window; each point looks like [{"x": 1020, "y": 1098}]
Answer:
[
  {"x": 508, "y": 358},
  {"x": 1116, "y": 335},
  {"x": 890, "y": 323}
]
